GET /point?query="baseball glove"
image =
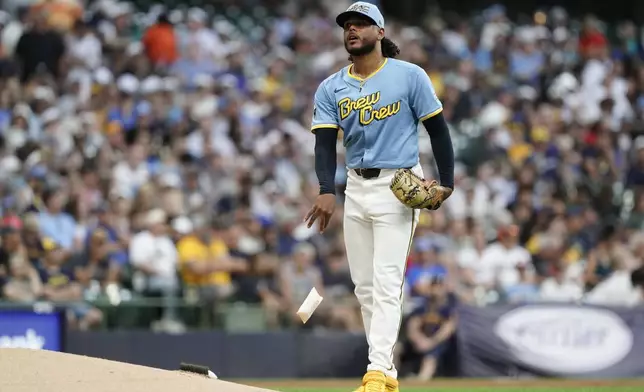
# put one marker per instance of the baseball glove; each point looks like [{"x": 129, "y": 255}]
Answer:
[{"x": 414, "y": 192}]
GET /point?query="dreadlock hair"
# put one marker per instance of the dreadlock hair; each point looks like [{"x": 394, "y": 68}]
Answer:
[{"x": 388, "y": 48}]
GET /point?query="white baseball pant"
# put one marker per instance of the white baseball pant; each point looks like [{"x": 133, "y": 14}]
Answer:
[{"x": 378, "y": 230}]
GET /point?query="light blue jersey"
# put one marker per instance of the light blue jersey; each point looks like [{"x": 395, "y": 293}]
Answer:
[{"x": 379, "y": 115}]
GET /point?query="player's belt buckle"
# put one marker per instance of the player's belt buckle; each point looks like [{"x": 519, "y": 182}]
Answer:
[{"x": 367, "y": 174}]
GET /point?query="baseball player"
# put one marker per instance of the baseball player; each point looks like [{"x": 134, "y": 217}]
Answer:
[{"x": 377, "y": 101}]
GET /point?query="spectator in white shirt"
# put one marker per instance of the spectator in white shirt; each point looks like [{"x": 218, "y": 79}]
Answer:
[
  {"x": 12, "y": 32},
  {"x": 560, "y": 289},
  {"x": 129, "y": 175},
  {"x": 206, "y": 39},
  {"x": 499, "y": 261},
  {"x": 621, "y": 288},
  {"x": 154, "y": 256},
  {"x": 84, "y": 47}
]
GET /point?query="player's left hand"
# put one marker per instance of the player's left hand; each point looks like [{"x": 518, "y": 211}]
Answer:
[
  {"x": 323, "y": 209},
  {"x": 443, "y": 192}
]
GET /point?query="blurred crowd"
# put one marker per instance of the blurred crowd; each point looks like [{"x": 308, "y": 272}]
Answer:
[{"x": 166, "y": 153}]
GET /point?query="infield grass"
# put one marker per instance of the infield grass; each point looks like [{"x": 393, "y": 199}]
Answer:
[{"x": 456, "y": 385}]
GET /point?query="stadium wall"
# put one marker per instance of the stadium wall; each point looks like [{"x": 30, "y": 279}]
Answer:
[
  {"x": 540, "y": 340},
  {"x": 255, "y": 355}
]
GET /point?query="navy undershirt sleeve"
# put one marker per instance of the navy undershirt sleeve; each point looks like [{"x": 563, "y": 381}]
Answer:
[
  {"x": 442, "y": 147},
  {"x": 326, "y": 158}
]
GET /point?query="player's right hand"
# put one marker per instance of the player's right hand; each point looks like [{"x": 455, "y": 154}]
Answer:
[
  {"x": 322, "y": 209},
  {"x": 443, "y": 192}
]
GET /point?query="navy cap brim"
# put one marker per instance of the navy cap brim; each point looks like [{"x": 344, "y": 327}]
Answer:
[{"x": 343, "y": 17}]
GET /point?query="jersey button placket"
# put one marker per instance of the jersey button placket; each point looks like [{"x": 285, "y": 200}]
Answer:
[{"x": 363, "y": 128}]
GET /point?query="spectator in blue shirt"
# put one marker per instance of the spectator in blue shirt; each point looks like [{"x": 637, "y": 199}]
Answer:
[
  {"x": 56, "y": 224},
  {"x": 526, "y": 62},
  {"x": 523, "y": 291},
  {"x": 124, "y": 116},
  {"x": 426, "y": 267},
  {"x": 190, "y": 68}
]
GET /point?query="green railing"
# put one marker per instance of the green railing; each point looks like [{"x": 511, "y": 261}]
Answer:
[{"x": 141, "y": 312}]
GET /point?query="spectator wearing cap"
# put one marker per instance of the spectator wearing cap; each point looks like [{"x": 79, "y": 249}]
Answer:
[
  {"x": 430, "y": 327},
  {"x": 124, "y": 114},
  {"x": 208, "y": 44},
  {"x": 116, "y": 245},
  {"x": 96, "y": 263},
  {"x": 154, "y": 256},
  {"x": 580, "y": 232},
  {"x": 54, "y": 222},
  {"x": 160, "y": 42},
  {"x": 40, "y": 46},
  {"x": 60, "y": 285},
  {"x": 115, "y": 23}
]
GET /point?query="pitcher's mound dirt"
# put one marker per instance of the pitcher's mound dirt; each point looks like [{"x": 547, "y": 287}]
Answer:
[{"x": 26, "y": 370}]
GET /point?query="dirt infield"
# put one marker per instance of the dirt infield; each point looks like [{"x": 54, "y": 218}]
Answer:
[
  {"x": 452, "y": 383},
  {"x": 45, "y": 371}
]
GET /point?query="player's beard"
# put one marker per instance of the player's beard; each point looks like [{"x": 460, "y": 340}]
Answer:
[{"x": 366, "y": 48}]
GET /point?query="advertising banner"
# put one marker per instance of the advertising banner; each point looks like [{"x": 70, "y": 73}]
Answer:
[
  {"x": 28, "y": 329},
  {"x": 551, "y": 340}
]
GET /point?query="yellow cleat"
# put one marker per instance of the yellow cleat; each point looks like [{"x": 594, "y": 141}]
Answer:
[
  {"x": 391, "y": 385},
  {"x": 373, "y": 381}
]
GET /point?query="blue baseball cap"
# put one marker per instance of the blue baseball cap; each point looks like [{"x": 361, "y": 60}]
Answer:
[{"x": 362, "y": 8}]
